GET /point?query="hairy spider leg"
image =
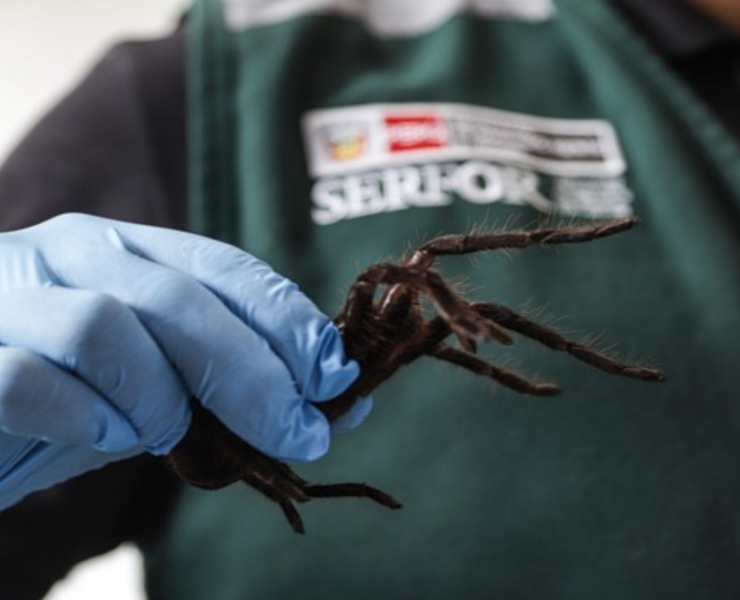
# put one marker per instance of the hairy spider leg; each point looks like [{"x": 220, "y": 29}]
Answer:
[
  {"x": 371, "y": 329},
  {"x": 505, "y": 377},
  {"x": 386, "y": 337},
  {"x": 358, "y": 490},
  {"x": 281, "y": 499},
  {"x": 413, "y": 338},
  {"x": 460, "y": 244},
  {"x": 356, "y": 320},
  {"x": 284, "y": 486},
  {"x": 237, "y": 460},
  {"x": 369, "y": 338},
  {"x": 552, "y": 339},
  {"x": 278, "y": 482},
  {"x": 266, "y": 473},
  {"x": 334, "y": 490},
  {"x": 436, "y": 332},
  {"x": 465, "y": 323}
]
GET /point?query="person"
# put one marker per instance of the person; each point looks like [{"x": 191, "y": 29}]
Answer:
[{"x": 327, "y": 136}]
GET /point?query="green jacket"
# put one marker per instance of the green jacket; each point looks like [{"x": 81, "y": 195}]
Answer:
[{"x": 329, "y": 139}]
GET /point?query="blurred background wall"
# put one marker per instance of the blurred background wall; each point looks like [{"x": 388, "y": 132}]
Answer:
[{"x": 46, "y": 46}]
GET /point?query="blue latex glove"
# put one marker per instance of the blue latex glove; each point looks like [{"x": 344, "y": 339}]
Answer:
[{"x": 107, "y": 328}]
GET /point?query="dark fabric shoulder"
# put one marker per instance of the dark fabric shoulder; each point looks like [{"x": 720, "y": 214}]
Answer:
[
  {"x": 114, "y": 146},
  {"x": 701, "y": 50},
  {"x": 46, "y": 535}
]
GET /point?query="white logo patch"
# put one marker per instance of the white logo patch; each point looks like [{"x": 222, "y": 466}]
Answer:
[{"x": 378, "y": 158}]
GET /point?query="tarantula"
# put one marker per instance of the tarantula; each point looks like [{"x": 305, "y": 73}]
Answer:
[{"x": 384, "y": 332}]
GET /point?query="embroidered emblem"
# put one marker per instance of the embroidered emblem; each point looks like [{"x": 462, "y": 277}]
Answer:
[
  {"x": 345, "y": 142},
  {"x": 378, "y": 158}
]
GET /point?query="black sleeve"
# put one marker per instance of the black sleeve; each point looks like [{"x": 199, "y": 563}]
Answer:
[
  {"x": 48, "y": 533},
  {"x": 114, "y": 147}
]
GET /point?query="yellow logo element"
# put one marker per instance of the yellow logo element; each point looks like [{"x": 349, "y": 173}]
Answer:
[{"x": 347, "y": 142}]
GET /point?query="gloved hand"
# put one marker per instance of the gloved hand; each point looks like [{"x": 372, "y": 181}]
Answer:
[{"x": 107, "y": 328}]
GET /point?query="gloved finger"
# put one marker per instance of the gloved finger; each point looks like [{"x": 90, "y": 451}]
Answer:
[
  {"x": 305, "y": 339},
  {"x": 28, "y": 465},
  {"x": 22, "y": 265},
  {"x": 229, "y": 367},
  {"x": 39, "y": 400},
  {"x": 99, "y": 339},
  {"x": 354, "y": 417}
]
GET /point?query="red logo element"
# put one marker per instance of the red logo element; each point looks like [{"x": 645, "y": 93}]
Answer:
[{"x": 415, "y": 132}]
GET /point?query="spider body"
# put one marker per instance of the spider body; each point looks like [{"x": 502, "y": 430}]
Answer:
[{"x": 384, "y": 329}]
